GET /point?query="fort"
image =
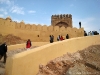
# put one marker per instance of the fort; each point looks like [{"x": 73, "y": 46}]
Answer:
[
  {"x": 27, "y": 62},
  {"x": 60, "y": 25}
]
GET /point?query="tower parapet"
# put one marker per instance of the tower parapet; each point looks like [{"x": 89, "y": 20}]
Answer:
[
  {"x": 62, "y": 16},
  {"x": 22, "y": 21},
  {"x": 62, "y": 20}
]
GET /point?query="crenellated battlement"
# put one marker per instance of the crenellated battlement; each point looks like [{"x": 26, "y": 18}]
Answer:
[
  {"x": 61, "y": 16},
  {"x": 25, "y": 31},
  {"x": 8, "y": 23},
  {"x": 62, "y": 20}
]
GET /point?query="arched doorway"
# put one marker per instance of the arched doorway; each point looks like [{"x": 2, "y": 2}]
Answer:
[{"x": 60, "y": 24}]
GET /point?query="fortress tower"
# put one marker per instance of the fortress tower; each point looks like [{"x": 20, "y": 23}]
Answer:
[{"x": 62, "y": 20}]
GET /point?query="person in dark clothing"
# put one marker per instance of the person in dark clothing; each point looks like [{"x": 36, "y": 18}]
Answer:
[
  {"x": 85, "y": 34},
  {"x": 67, "y": 36},
  {"x": 3, "y": 50},
  {"x": 28, "y": 44},
  {"x": 51, "y": 39}
]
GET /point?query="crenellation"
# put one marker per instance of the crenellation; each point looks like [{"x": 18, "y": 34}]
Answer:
[
  {"x": 8, "y": 18},
  {"x": 22, "y": 26},
  {"x": 44, "y": 28},
  {"x": 64, "y": 15},
  {"x": 34, "y": 27},
  {"x": 61, "y": 24},
  {"x": 62, "y": 20},
  {"x": 12, "y": 24},
  {"x": 18, "y": 26},
  {"x": 7, "y": 23},
  {"x": 70, "y": 16},
  {"x": 67, "y": 15},
  {"x": 39, "y": 27},
  {"x": 1, "y": 21},
  {"x": 50, "y": 28},
  {"x": 62, "y": 29},
  {"x": 28, "y": 27}
]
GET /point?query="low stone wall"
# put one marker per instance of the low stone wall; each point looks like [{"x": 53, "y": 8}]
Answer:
[
  {"x": 27, "y": 63},
  {"x": 13, "y": 47}
]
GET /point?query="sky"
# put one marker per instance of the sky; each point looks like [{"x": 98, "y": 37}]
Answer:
[{"x": 40, "y": 11}]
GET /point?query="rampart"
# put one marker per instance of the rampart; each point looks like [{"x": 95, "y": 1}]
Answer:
[
  {"x": 23, "y": 45},
  {"x": 36, "y": 32},
  {"x": 27, "y": 63}
]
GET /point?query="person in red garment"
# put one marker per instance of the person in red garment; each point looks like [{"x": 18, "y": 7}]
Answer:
[
  {"x": 28, "y": 44},
  {"x": 61, "y": 38}
]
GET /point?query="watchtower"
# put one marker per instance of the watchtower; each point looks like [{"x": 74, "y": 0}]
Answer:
[{"x": 62, "y": 20}]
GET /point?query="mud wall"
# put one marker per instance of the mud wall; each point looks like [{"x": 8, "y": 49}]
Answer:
[
  {"x": 17, "y": 46},
  {"x": 27, "y": 63},
  {"x": 36, "y": 32}
]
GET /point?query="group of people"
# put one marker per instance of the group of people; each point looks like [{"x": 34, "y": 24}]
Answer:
[
  {"x": 3, "y": 47},
  {"x": 91, "y": 33},
  {"x": 60, "y": 38}
]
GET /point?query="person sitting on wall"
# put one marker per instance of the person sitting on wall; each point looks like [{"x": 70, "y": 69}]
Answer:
[
  {"x": 28, "y": 44},
  {"x": 67, "y": 36},
  {"x": 3, "y": 51}
]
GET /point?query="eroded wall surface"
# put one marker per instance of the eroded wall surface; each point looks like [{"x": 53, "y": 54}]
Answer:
[{"x": 27, "y": 63}]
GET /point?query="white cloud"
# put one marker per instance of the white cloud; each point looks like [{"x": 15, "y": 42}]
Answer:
[
  {"x": 8, "y": 2},
  {"x": 31, "y": 11},
  {"x": 1, "y": 15},
  {"x": 18, "y": 10},
  {"x": 11, "y": 5}
]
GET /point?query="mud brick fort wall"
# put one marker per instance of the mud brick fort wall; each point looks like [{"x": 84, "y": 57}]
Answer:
[
  {"x": 60, "y": 25},
  {"x": 16, "y": 64}
]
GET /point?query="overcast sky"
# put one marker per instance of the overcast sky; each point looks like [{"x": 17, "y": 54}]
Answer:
[{"x": 40, "y": 11}]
